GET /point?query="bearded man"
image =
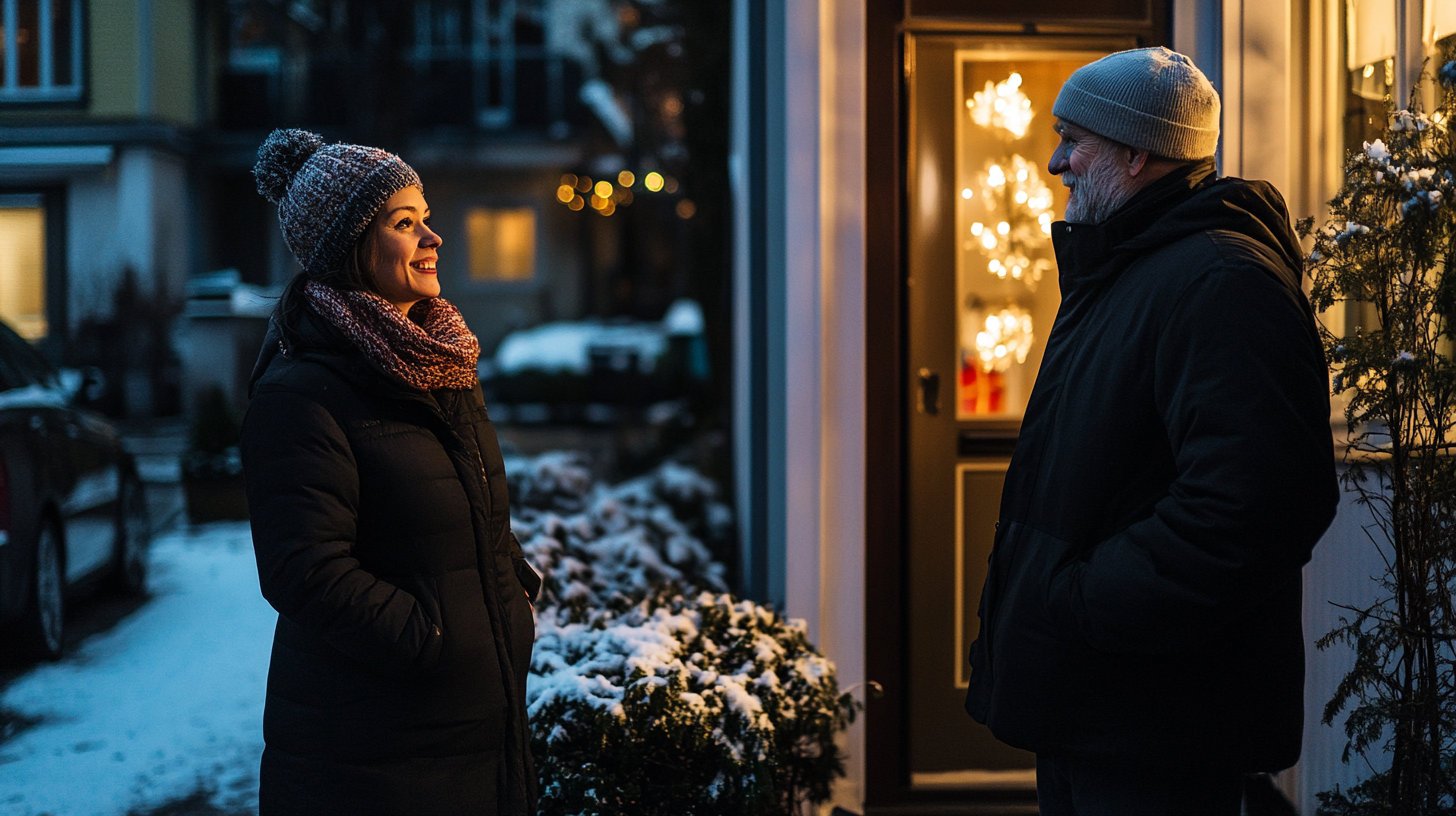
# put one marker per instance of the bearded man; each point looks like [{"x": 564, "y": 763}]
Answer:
[{"x": 1140, "y": 622}]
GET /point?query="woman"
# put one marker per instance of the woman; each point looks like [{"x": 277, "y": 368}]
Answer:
[{"x": 379, "y": 511}]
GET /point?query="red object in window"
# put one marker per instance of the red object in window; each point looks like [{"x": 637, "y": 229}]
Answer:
[{"x": 982, "y": 392}]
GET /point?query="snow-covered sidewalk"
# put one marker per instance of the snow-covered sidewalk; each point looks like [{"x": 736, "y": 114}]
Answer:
[{"x": 167, "y": 703}]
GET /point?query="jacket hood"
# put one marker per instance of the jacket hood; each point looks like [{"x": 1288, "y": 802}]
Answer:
[
  {"x": 1184, "y": 203},
  {"x": 306, "y": 333},
  {"x": 308, "y": 336},
  {"x": 1253, "y": 209}
]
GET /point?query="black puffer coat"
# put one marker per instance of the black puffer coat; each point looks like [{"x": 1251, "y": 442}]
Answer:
[
  {"x": 382, "y": 530},
  {"x": 1174, "y": 471}
]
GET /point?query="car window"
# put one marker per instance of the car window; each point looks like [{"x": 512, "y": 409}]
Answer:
[{"x": 20, "y": 363}]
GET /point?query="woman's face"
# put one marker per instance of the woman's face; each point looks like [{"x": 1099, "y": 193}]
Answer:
[{"x": 405, "y": 250}]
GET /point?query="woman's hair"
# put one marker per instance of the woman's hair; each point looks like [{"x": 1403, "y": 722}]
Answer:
[{"x": 355, "y": 273}]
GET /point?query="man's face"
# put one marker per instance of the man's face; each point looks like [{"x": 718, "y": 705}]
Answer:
[{"x": 1096, "y": 172}]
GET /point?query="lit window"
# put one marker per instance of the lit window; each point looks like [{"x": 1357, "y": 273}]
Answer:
[
  {"x": 40, "y": 50},
  {"x": 502, "y": 243},
  {"x": 22, "y": 270}
]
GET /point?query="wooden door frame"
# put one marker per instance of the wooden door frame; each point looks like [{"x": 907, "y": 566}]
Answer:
[
  {"x": 886, "y": 763},
  {"x": 887, "y": 775}
]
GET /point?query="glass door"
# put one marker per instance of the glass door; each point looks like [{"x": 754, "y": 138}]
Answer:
[{"x": 982, "y": 296}]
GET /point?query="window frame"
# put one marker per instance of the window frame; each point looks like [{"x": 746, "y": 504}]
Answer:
[{"x": 12, "y": 94}]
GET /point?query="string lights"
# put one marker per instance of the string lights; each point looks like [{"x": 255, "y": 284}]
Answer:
[
  {"x": 1002, "y": 105},
  {"x": 1014, "y": 244},
  {"x": 1003, "y": 338},
  {"x": 576, "y": 192}
]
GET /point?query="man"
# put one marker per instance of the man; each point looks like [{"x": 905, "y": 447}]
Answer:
[{"x": 1140, "y": 623}]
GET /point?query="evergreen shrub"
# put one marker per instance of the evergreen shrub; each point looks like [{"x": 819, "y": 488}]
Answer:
[{"x": 652, "y": 690}]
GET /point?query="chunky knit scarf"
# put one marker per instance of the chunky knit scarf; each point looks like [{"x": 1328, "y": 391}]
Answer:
[{"x": 437, "y": 352}]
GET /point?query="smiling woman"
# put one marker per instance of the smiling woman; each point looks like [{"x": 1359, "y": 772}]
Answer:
[
  {"x": 381, "y": 523},
  {"x": 405, "y": 250}
]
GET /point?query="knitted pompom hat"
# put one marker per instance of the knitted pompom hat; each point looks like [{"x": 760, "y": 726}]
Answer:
[
  {"x": 326, "y": 193},
  {"x": 1149, "y": 98}
]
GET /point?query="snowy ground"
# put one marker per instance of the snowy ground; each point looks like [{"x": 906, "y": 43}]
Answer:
[{"x": 165, "y": 706}]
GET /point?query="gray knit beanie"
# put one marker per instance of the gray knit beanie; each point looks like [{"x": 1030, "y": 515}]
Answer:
[
  {"x": 326, "y": 194},
  {"x": 1149, "y": 98}
]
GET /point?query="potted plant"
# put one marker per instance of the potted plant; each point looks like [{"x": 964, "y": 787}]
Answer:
[
  {"x": 1387, "y": 247},
  {"x": 212, "y": 468}
]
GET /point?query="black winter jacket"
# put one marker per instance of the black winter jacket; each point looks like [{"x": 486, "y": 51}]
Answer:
[
  {"x": 382, "y": 531},
  {"x": 1174, "y": 471}
]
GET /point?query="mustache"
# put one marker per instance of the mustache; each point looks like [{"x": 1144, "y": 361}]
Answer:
[{"x": 1069, "y": 179}]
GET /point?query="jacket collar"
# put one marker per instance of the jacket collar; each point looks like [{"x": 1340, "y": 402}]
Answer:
[{"x": 1083, "y": 250}]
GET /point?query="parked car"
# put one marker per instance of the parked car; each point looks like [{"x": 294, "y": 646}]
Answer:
[{"x": 73, "y": 515}]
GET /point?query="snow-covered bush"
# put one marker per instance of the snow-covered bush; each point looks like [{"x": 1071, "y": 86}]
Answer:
[
  {"x": 600, "y": 547},
  {"x": 698, "y": 705},
  {"x": 651, "y": 690}
]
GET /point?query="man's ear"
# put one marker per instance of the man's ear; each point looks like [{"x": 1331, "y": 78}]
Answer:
[{"x": 1137, "y": 159}]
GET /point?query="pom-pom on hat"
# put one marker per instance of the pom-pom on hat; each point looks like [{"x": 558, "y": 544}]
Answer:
[
  {"x": 326, "y": 193},
  {"x": 1149, "y": 98}
]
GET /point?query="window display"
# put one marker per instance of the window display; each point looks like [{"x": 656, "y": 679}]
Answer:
[{"x": 1006, "y": 287}]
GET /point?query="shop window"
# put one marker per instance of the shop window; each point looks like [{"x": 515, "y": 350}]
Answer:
[
  {"x": 501, "y": 244},
  {"x": 1372, "y": 60},
  {"x": 40, "y": 50},
  {"x": 1372, "y": 56},
  {"x": 23, "y": 270}
]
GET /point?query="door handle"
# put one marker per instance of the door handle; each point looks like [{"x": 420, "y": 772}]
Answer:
[{"x": 929, "y": 392}]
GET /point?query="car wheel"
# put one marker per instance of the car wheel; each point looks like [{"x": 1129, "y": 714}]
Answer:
[
  {"x": 45, "y": 608},
  {"x": 133, "y": 538}
]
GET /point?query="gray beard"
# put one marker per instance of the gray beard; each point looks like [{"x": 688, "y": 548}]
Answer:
[{"x": 1099, "y": 192}]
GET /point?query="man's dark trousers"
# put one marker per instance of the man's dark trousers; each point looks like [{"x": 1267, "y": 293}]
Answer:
[{"x": 1075, "y": 787}]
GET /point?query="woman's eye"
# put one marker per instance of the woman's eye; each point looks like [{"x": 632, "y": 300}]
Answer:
[
  {"x": 403, "y": 224},
  {"x": 426, "y": 222}
]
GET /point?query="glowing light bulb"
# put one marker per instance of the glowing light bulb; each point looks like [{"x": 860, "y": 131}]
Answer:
[
  {"x": 653, "y": 182},
  {"x": 977, "y": 228},
  {"x": 966, "y": 193},
  {"x": 1002, "y": 105},
  {"x": 1003, "y": 227}
]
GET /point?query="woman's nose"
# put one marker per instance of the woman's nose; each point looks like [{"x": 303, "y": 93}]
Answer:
[{"x": 430, "y": 239}]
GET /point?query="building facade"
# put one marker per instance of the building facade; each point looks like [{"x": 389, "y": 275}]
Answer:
[
  {"x": 894, "y": 287},
  {"x": 128, "y": 130},
  {"x": 95, "y": 123}
]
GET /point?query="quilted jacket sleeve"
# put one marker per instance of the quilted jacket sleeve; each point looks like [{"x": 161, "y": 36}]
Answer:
[
  {"x": 303, "y": 496},
  {"x": 1240, "y": 384}
]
